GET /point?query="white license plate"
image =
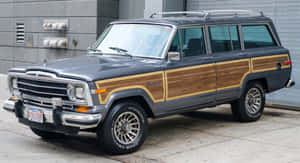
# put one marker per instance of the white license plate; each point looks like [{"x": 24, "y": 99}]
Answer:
[{"x": 36, "y": 115}]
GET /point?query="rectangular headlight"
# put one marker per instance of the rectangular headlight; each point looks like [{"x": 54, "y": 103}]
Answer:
[{"x": 79, "y": 92}]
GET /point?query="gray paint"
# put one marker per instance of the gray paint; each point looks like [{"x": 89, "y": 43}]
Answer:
[
  {"x": 87, "y": 19},
  {"x": 286, "y": 17}
]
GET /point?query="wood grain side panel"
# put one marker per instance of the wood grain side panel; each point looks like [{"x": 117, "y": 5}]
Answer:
[
  {"x": 189, "y": 82},
  {"x": 269, "y": 63},
  {"x": 152, "y": 83},
  {"x": 232, "y": 74}
]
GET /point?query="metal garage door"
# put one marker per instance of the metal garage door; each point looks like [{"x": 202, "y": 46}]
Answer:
[{"x": 286, "y": 16}]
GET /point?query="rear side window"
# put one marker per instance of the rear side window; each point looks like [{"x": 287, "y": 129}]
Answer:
[
  {"x": 257, "y": 36},
  {"x": 224, "y": 38},
  {"x": 193, "y": 43}
]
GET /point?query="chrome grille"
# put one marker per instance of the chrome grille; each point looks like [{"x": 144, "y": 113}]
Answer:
[{"x": 43, "y": 89}]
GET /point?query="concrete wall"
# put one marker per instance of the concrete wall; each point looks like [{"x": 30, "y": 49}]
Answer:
[
  {"x": 131, "y": 9},
  {"x": 152, "y": 6},
  {"x": 87, "y": 19}
]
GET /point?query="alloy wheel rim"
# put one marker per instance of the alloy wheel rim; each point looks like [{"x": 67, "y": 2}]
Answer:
[
  {"x": 253, "y": 101},
  {"x": 127, "y": 128}
]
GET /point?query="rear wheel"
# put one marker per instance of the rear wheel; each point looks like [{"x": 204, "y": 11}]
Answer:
[
  {"x": 46, "y": 134},
  {"x": 251, "y": 104},
  {"x": 125, "y": 128}
]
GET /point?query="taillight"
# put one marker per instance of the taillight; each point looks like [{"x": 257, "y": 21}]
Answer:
[{"x": 288, "y": 62}]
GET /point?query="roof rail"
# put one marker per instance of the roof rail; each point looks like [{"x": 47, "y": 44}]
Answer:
[{"x": 210, "y": 13}]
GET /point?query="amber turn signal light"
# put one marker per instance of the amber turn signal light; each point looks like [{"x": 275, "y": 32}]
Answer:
[
  {"x": 14, "y": 99},
  {"x": 82, "y": 109},
  {"x": 100, "y": 91}
]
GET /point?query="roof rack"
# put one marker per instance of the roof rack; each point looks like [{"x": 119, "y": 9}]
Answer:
[{"x": 210, "y": 13}]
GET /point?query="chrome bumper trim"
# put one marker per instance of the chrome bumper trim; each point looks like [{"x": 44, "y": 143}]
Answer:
[
  {"x": 72, "y": 119},
  {"x": 81, "y": 120},
  {"x": 290, "y": 84},
  {"x": 9, "y": 105}
]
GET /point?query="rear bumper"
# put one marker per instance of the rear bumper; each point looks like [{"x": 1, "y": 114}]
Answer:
[
  {"x": 290, "y": 84},
  {"x": 58, "y": 118}
]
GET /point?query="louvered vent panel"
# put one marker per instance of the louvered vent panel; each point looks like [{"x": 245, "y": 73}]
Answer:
[{"x": 20, "y": 32}]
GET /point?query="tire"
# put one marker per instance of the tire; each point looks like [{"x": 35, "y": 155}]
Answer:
[
  {"x": 46, "y": 134},
  {"x": 114, "y": 134},
  {"x": 250, "y": 106}
]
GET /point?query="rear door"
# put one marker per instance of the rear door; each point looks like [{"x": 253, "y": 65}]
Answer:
[{"x": 231, "y": 64}]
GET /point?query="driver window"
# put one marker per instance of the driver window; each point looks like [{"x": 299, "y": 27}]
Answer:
[{"x": 193, "y": 43}]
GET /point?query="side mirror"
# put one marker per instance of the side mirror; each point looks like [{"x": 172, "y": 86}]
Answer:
[{"x": 173, "y": 56}]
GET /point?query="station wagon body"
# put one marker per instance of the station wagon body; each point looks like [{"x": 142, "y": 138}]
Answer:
[{"x": 151, "y": 68}]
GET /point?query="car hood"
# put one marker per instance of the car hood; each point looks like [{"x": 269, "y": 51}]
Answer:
[{"x": 96, "y": 67}]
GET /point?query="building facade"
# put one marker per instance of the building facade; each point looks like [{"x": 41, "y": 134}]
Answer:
[{"x": 26, "y": 26}]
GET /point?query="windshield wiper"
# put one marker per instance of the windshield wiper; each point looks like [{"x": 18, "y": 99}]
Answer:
[
  {"x": 120, "y": 51},
  {"x": 95, "y": 51}
]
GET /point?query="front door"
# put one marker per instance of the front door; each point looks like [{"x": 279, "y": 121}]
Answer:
[{"x": 192, "y": 80}]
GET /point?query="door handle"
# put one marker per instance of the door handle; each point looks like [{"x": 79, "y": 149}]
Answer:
[{"x": 279, "y": 66}]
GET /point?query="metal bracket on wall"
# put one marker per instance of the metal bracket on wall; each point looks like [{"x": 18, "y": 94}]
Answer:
[
  {"x": 56, "y": 24},
  {"x": 55, "y": 42}
]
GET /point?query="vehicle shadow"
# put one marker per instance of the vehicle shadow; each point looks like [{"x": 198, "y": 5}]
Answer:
[{"x": 159, "y": 131}]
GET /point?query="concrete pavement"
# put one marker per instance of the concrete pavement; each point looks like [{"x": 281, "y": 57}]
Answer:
[{"x": 208, "y": 136}]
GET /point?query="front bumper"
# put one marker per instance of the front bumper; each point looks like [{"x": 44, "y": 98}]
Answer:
[{"x": 57, "y": 118}]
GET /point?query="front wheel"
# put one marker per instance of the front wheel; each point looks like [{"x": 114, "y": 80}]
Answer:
[
  {"x": 251, "y": 104},
  {"x": 125, "y": 128}
]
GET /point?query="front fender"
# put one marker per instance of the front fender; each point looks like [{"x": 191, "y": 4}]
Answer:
[{"x": 127, "y": 94}]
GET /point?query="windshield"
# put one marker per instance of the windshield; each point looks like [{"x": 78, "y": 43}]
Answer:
[{"x": 134, "y": 39}]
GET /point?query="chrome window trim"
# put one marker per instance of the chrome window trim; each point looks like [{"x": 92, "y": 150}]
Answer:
[{"x": 55, "y": 79}]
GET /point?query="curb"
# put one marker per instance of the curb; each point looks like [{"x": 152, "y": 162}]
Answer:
[{"x": 285, "y": 107}]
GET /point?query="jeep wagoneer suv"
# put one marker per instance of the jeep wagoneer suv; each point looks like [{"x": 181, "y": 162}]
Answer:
[{"x": 171, "y": 63}]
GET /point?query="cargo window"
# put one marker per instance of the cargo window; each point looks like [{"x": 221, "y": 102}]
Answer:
[
  {"x": 256, "y": 36},
  {"x": 224, "y": 38},
  {"x": 193, "y": 43}
]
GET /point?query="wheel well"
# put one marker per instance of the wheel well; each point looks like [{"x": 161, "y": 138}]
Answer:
[
  {"x": 263, "y": 81},
  {"x": 140, "y": 100}
]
